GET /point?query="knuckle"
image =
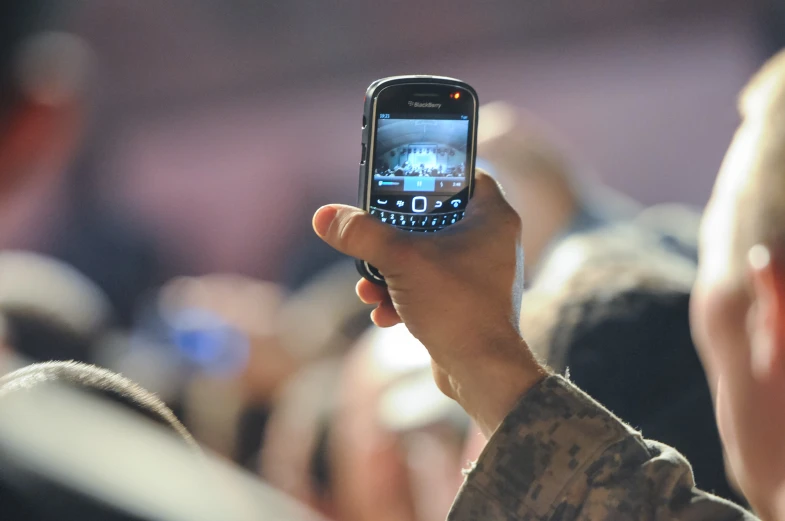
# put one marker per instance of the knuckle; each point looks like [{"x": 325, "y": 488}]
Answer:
[
  {"x": 513, "y": 220},
  {"x": 348, "y": 231}
]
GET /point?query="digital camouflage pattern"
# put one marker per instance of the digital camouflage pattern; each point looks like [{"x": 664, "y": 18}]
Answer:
[{"x": 561, "y": 456}]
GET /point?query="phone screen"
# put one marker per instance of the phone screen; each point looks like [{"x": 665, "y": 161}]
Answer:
[{"x": 421, "y": 168}]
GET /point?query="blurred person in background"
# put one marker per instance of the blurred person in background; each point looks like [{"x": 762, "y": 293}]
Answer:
[
  {"x": 97, "y": 382},
  {"x": 542, "y": 182},
  {"x": 677, "y": 225},
  {"x": 385, "y": 461},
  {"x": 50, "y": 310},
  {"x": 433, "y": 430},
  {"x": 295, "y": 453},
  {"x": 44, "y": 83},
  {"x": 321, "y": 322},
  {"x": 612, "y": 310},
  {"x": 226, "y": 328},
  {"x": 69, "y": 453},
  {"x": 548, "y": 190},
  {"x": 328, "y": 305},
  {"x": 244, "y": 338}
]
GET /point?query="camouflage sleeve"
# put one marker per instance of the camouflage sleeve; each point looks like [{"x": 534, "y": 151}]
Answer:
[{"x": 559, "y": 455}]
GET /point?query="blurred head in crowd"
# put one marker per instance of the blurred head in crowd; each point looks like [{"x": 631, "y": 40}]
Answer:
[
  {"x": 328, "y": 304},
  {"x": 295, "y": 455},
  {"x": 195, "y": 307},
  {"x": 225, "y": 328},
  {"x": 378, "y": 462},
  {"x": 541, "y": 181},
  {"x": 98, "y": 382},
  {"x": 739, "y": 298},
  {"x": 51, "y": 311},
  {"x": 579, "y": 269},
  {"x": 246, "y": 338},
  {"x": 433, "y": 431},
  {"x": 67, "y": 452},
  {"x": 677, "y": 226},
  {"x": 369, "y": 471},
  {"x": 42, "y": 77},
  {"x": 615, "y": 314}
]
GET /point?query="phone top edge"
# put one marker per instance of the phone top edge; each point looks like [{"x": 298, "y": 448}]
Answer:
[{"x": 378, "y": 85}]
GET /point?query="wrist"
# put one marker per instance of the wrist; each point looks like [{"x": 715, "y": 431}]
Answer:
[{"x": 489, "y": 389}]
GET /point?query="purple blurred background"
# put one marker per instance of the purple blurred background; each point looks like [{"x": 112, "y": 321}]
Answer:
[{"x": 224, "y": 124}]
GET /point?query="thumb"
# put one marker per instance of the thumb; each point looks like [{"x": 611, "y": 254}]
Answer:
[
  {"x": 355, "y": 233},
  {"x": 488, "y": 193}
]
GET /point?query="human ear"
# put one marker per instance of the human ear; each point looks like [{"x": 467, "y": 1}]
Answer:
[{"x": 766, "y": 321}]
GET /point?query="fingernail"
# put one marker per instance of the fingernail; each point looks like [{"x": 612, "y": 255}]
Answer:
[{"x": 322, "y": 219}]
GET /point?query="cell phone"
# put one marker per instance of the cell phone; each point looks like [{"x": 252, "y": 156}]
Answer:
[{"x": 419, "y": 143}]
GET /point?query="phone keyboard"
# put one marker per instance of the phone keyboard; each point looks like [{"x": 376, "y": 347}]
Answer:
[{"x": 417, "y": 222}]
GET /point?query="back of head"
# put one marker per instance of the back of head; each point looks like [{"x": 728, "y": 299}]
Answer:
[
  {"x": 52, "y": 311},
  {"x": 618, "y": 321},
  {"x": 98, "y": 382},
  {"x": 593, "y": 266},
  {"x": 67, "y": 455}
]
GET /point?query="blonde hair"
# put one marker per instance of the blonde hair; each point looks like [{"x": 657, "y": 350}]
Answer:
[
  {"x": 762, "y": 107},
  {"x": 764, "y": 95}
]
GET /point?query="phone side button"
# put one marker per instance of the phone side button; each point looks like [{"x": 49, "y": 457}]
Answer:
[{"x": 362, "y": 154}]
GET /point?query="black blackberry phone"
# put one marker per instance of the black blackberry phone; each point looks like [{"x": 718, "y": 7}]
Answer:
[{"x": 418, "y": 150}]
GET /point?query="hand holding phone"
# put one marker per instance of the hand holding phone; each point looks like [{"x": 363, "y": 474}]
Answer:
[
  {"x": 418, "y": 153},
  {"x": 458, "y": 293}
]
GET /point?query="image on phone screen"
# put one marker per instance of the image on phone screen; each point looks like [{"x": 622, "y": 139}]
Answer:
[{"x": 420, "y": 173}]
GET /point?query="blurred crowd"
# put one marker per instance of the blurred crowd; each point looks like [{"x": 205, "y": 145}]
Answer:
[{"x": 128, "y": 395}]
